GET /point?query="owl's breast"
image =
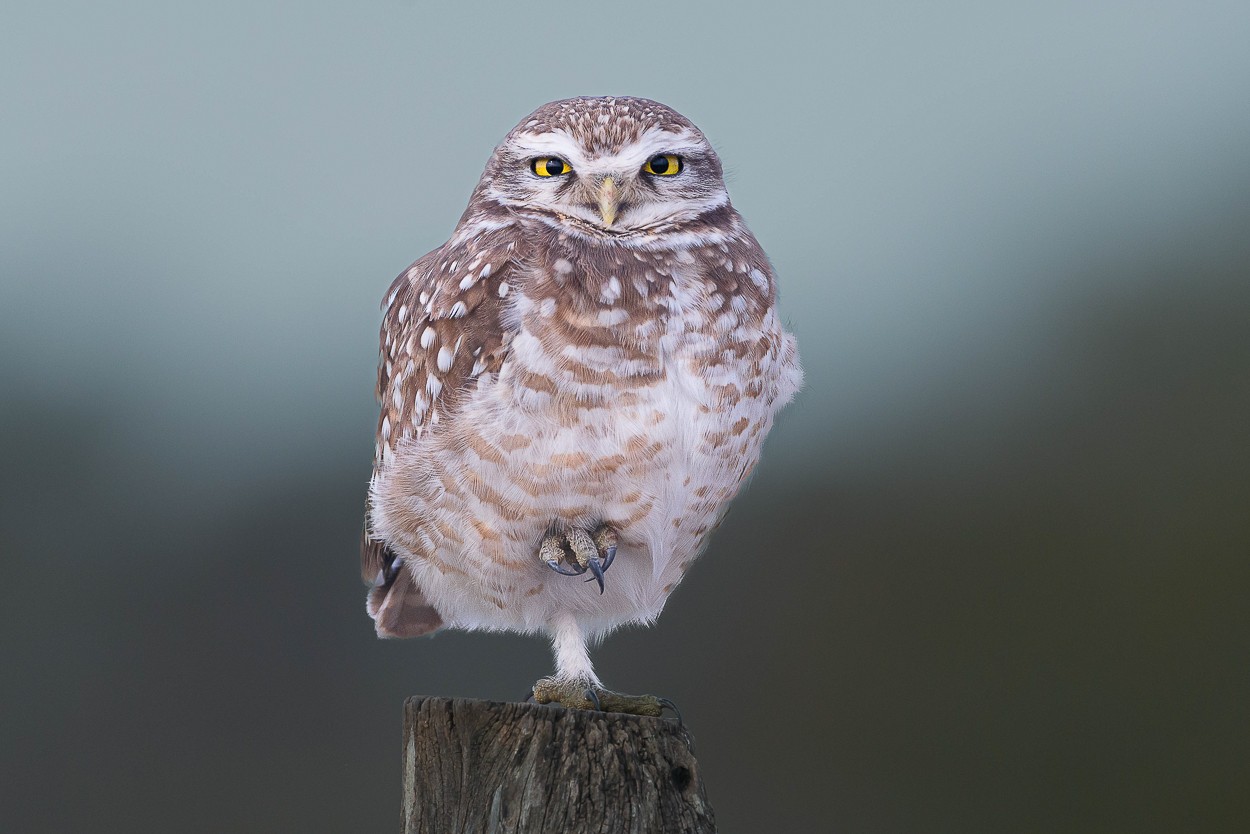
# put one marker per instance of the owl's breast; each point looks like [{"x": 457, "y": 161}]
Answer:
[{"x": 647, "y": 413}]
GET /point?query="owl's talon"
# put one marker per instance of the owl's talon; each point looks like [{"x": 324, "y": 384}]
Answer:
[
  {"x": 558, "y": 568},
  {"x": 582, "y": 545},
  {"x": 667, "y": 703},
  {"x": 575, "y": 551},
  {"x": 552, "y": 553},
  {"x": 597, "y": 569},
  {"x": 605, "y": 542},
  {"x": 593, "y": 697}
]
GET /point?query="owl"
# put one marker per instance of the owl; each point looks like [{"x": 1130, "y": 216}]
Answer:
[{"x": 573, "y": 389}]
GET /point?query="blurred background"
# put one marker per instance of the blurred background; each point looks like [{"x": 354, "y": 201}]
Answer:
[{"x": 991, "y": 576}]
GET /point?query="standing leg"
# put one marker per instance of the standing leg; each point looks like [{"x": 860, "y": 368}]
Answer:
[
  {"x": 569, "y": 643},
  {"x": 575, "y": 684}
]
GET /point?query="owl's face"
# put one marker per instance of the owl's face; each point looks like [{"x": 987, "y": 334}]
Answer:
[{"x": 607, "y": 165}]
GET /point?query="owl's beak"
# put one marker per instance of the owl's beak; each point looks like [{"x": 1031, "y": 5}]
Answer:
[{"x": 609, "y": 198}]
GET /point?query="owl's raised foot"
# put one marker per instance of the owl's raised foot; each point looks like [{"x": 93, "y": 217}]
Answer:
[
  {"x": 578, "y": 695},
  {"x": 574, "y": 551}
]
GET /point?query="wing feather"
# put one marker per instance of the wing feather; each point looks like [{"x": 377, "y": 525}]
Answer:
[{"x": 442, "y": 331}]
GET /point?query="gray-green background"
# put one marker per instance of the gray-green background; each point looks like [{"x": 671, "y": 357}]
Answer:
[{"x": 992, "y": 575}]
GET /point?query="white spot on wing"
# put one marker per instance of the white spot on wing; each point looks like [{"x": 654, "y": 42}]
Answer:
[
  {"x": 608, "y": 318},
  {"x": 611, "y": 291}
]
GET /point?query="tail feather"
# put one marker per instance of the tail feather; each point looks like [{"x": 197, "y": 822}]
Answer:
[{"x": 396, "y": 604}]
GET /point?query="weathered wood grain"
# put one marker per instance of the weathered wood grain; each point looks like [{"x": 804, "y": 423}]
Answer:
[{"x": 503, "y": 768}]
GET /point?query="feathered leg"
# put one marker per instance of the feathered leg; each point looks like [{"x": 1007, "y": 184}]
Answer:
[{"x": 575, "y": 684}]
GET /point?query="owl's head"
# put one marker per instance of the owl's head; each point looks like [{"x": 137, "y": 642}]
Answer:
[{"x": 609, "y": 165}]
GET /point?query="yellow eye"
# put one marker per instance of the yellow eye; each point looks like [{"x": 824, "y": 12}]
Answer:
[
  {"x": 550, "y": 166},
  {"x": 664, "y": 165}
]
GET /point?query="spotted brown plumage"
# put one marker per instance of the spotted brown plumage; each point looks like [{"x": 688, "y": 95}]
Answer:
[{"x": 577, "y": 382}]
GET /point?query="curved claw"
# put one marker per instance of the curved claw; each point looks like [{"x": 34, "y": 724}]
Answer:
[
  {"x": 575, "y": 570},
  {"x": 608, "y": 555},
  {"x": 593, "y": 697},
  {"x": 665, "y": 702},
  {"x": 597, "y": 569}
]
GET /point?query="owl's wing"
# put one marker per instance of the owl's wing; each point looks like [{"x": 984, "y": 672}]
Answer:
[{"x": 442, "y": 331}]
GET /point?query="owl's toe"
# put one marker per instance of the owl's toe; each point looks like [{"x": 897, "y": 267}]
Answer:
[
  {"x": 605, "y": 543},
  {"x": 605, "y": 552},
  {"x": 582, "y": 546},
  {"x": 580, "y": 695},
  {"x": 552, "y": 552}
]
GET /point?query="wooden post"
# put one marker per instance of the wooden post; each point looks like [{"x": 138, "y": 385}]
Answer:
[{"x": 500, "y": 768}]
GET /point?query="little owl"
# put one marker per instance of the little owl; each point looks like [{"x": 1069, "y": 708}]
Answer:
[{"x": 576, "y": 384}]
